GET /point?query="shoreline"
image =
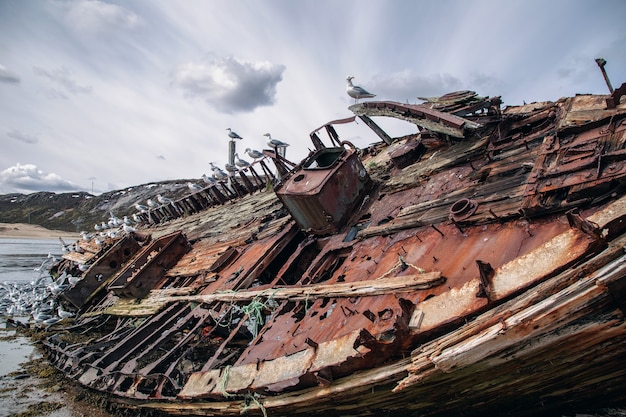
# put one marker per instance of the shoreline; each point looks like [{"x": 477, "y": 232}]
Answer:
[{"x": 32, "y": 231}]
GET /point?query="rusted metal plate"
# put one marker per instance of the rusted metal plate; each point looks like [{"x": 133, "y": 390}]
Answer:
[
  {"x": 146, "y": 269},
  {"x": 99, "y": 274}
]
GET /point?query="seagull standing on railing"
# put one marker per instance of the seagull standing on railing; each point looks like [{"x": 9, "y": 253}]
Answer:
[
  {"x": 152, "y": 203},
  {"x": 141, "y": 208},
  {"x": 254, "y": 154},
  {"x": 241, "y": 163},
  {"x": 163, "y": 200},
  {"x": 230, "y": 168},
  {"x": 217, "y": 172},
  {"x": 355, "y": 91},
  {"x": 276, "y": 144},
  {"x": 208, "y": 180},
  {"x": 193, "y": 187}
]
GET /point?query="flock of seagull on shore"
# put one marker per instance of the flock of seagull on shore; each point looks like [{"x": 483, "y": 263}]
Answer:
[{"x": 37, "y": 300}]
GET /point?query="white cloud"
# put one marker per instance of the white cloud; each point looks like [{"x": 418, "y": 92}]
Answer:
[
  {"x": 92, "y": 16},
  {"x": 7, "y": 76},
  {"x": 28, "y": 178},
  {"x": 230, "y": 85},
  {"x": 60, "y": 82},
  {"x": 22, "y": 137}
]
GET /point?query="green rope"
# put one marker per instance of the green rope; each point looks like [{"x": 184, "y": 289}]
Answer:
[
  {"x": 254, "y": 310},
  {"x": 252, "y": 399},
  {"x": 222, "y": 385}
]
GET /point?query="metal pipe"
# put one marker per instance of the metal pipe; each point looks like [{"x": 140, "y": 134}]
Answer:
[{"x": 601, "y": 63}]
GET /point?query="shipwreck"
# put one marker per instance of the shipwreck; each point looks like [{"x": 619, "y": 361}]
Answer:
[{"x": 476, "y": 265}]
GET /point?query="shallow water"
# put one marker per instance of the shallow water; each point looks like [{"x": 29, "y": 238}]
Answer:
[
  {"x": 20, "y": 257},
  {"x": 14, "y": 349}
]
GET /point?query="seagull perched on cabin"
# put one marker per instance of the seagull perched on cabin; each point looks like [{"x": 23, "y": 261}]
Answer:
[
  {"x": 355, "y": 91},
  {"x": 254, "y": 154},
  {"x": 233, "y": 135}
]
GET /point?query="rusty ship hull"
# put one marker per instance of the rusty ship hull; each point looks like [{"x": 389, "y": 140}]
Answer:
[{"x": 475, "y": 266}]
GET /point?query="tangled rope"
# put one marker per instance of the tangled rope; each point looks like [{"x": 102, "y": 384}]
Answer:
[
  {"x": 402, "y": 264},
  {"x": 255, "y": 309}
]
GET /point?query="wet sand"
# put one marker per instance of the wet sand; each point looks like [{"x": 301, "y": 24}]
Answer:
[
  {"x": 33, "y": 231},
  {"x": 30, "y": 387}
]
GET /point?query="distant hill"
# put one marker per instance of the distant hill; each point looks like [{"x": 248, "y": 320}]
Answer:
[{"x": 78, "y": 211}]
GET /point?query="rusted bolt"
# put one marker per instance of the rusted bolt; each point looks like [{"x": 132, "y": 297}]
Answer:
[
  {"x": 435, "y": 227},
  {"x": 495, "y": 216}
]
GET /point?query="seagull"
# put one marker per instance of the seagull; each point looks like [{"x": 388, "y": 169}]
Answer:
[
  {"x": 73, "y": 280},
  {"x": 240, "y": 162},
  {"x": 254, "y": 154},
  {"x": 275, "y": 143},
  {"x": 355, "y": 91},
  {"x": 97, "y": 227},
  {"x": 141, "y": 208},
  {"x": 217, "y": 172},
  {"x": 230, "y": 168},
  {"x": 136, "y": 218},
  {"x": 152, "y": 203},
  {"x": 207, "y": 179},
  {"x": 194, "y": 187},
  {"x": 128, "y": 229},
  {"x": 116, "y": 220},
  {"x": 233, "y": 135},
  {"x": 127, "y": 221},
  {"x": 64, "y": 314},
  {"x": 163, "y": 200}
]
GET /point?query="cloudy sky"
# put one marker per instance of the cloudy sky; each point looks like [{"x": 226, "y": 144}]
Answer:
[{"x": 102, "y": 95}]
